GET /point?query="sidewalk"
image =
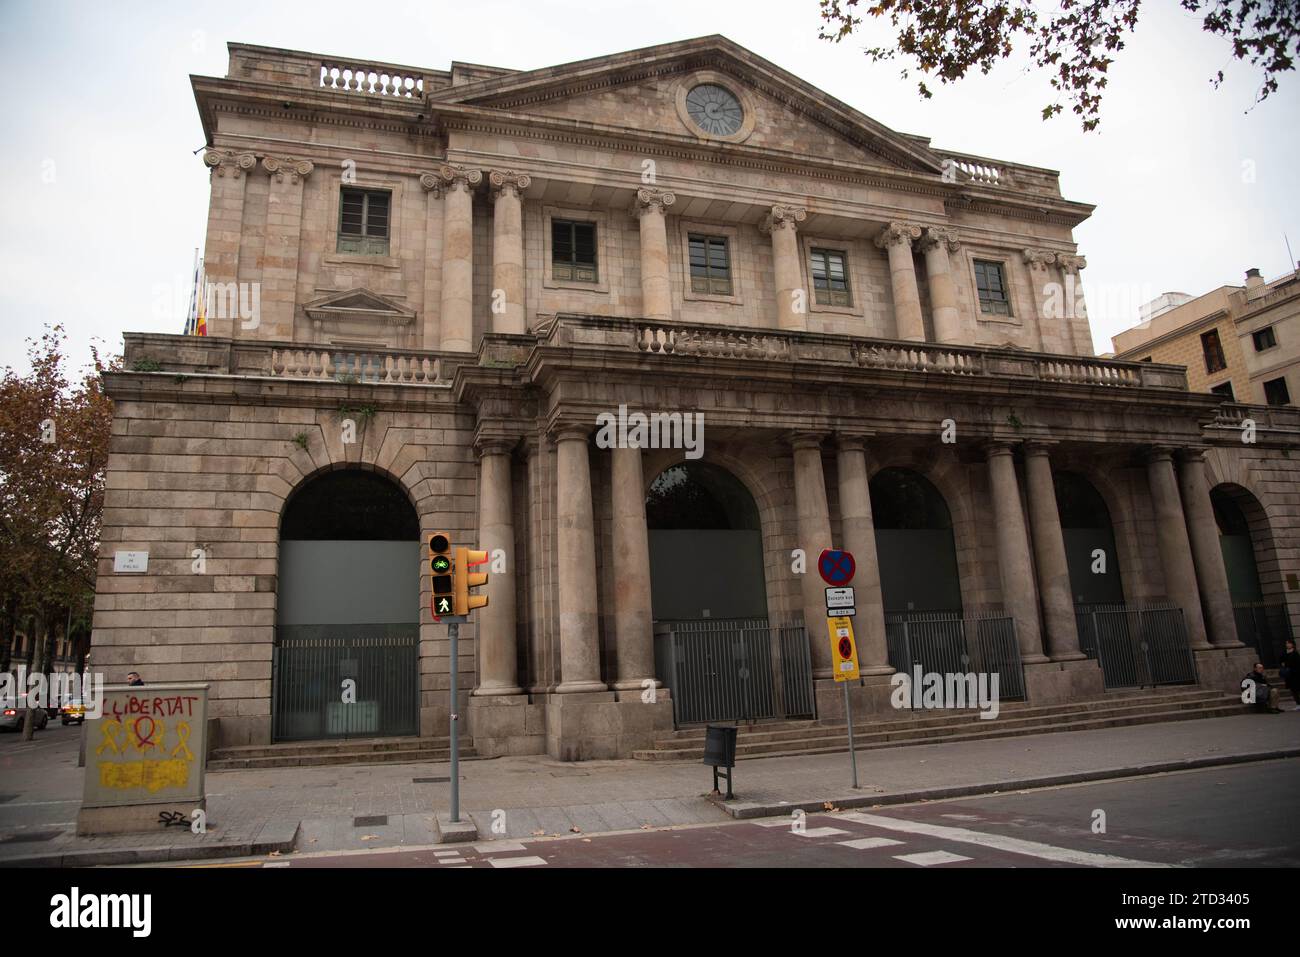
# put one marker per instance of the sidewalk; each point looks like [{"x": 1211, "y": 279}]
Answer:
[{"x": 375, "y": 806}]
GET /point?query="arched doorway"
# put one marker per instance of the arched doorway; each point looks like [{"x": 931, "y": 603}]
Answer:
[
  {"x": 1246, "y": 541},
  {"x": 1089, "y": 541},
  {"x": 914, "y": 544},
  {"x": 347, "y": 619}
]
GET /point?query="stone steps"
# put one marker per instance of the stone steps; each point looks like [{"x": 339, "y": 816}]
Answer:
[
  {"x": 411, "y": 750},
  {"x": 815, "y": 738}
]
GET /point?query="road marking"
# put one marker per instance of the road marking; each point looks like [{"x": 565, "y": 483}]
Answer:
[
  {"x": 998, "y": 842},
  {"x": 777, "y": 822},
  {"x": 820, "y": 832},
  {"x": 516, "y": 861},
  {"x": 499, "y": 847},
  {"x": 962, "y": 817},
  {"x": 867, "y": 843},
  {"x": 930, "y": 858},
  {"x": 277, "y": 864},
  {"x": 446, "y": 853}
]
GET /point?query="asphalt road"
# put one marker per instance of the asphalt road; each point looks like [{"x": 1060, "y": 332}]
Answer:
[{"x": 1238, "y": 816}]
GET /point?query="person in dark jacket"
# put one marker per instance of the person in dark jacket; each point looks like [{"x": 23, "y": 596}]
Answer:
[
  {"x": 1291, "y": 672},
  {"x": 133, "y": 679},
  {"x": 1265, "y": 698}
]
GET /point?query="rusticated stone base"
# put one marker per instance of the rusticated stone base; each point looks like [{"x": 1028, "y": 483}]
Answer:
[
  {"x": 868, "y": 696},
  {"x": 1056, "y": 682},
  {"x": 507, "y": 724},
  {"x": 1221, "y": 669},
  {"x": 585, "y": 726},
  {"x": 138, "y": 818}
]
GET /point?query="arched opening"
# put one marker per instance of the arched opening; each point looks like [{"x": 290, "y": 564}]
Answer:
[
  {"x": 914, "y": 544},
  {"x": 1089, "y": 541},
  {"x": 1247, "y": 543},
  {"x": 347, "y": 619}
]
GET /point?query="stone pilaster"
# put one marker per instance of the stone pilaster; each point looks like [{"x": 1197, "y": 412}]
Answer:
[
  {"x": 225, "y": 228},
  {"x": 508, "y": 251},
  {"x": 458, "y": 256},
  {"x": 433, "y": 226},
  {"x": 1015, "y": 568},
  {"x": 860, "y": 538},
  {"x": 633, "y": 625},
  {"x": 948, "y": 325},
  {"x": 791, "y": 298},
  {"x": 576, "y": 572},
  {"x": 651, "y": 210},
  {"x": 1175, "y": 548},
  {"x": 1207, "y": 553},
  {"x": 1049, "y": 553},
  {"x": 897, "y": 239},
  {"x": 283, "y": 238},
  {"x": 497, "y": 622},
  {"x": 814, "y": 526},
  {"x": 1080, "y": 332}
]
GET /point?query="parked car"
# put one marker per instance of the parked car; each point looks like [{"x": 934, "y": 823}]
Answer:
[
  {"x": 11, "y": 719},
  {"x": 74, "y": 712}
]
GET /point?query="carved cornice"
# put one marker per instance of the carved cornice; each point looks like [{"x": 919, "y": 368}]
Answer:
[
  {"x": 219, "y": 161},
  {"x": 507, "y": 181},
  {"x": 652, "y": 201},
  {"x": 783, "y": 217},
  {"x": 1039, "y": 258},
  {"x": 298, "y": 169},
  {"x": 940, "y": 236},
  {"x": 456, "y": 177},
  {"x": 896, "y": 234}
]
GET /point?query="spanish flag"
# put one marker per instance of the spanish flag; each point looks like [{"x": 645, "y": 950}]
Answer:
[{"x": 201, "y": 321}]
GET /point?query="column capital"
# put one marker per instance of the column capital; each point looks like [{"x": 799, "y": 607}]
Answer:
[
  {"x": 495, "y": 444},
  {"x": 1039, "y": 446},
  {"x": 852, "y": 441},
  {"x": 1070, "y": 263},
  {"x": 221, "y": 161},
  {"x": 995, "y": 447},
  {"x": 652, "y": 201},
  {"x": 940, "y": 237},
  {"x": 456, "y": 177},
  {"x": 898, "y": 234},
  {"x": 1039, "y": 258},
  {"x": 1192, "y": 455},
  {"x": 783, "y": 217},
  {"x": 805, "y": 440},
  {"x": 277, "y": 166},
  {"x": 569, "y": 432},
  {"x": 432, "y": 183},
  {"x": 1158, "y": 453},
  {"x": 504, "y": 181}
]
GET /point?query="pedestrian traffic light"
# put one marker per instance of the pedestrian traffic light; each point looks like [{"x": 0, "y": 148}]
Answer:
[
  {"x": 467, "y": 558},
  {"x": 443, "y": 573}
]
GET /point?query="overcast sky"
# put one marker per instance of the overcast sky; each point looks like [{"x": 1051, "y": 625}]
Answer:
[{"x": 104, "y": 199}]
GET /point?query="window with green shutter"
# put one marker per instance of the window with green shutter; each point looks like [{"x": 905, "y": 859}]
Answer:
[
  {"x": 830, "y": 276},
  {"x": 363, "y": 221},
  {"x": 992, "y": 286},
  {"x": 710, "y": 264},
  {"x": 573, "y": 250}
]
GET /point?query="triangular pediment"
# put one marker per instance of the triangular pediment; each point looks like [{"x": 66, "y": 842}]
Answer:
[
  {"x": 359, "y": 304},
  {"x": 643, "y": 91}
]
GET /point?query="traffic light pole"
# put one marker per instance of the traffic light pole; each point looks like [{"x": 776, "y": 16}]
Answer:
[{"x": 453, "y": 633}]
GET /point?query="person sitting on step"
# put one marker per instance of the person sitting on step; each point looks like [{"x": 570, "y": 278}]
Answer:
[{"x": 1260, "y": 694}]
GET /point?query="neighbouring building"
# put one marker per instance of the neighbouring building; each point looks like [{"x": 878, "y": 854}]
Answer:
[{"x": 435, "y": 288}]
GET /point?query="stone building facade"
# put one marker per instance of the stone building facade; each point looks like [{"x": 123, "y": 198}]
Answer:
[{"x": 445, "y": 279}]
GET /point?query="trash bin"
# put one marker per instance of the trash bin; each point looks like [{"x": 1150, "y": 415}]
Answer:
[{"x": 720, "y": 752}]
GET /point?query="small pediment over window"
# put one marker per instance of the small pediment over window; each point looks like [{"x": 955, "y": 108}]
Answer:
[{"x": 358, "y": 305}]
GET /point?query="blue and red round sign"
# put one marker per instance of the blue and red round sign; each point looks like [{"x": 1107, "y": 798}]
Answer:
[{"x": 836, "y": 567}]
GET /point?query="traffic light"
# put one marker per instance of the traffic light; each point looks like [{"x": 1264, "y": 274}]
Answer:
[
  {"x": 467, "y": 558},
  {"x": 443, "y": 573}
]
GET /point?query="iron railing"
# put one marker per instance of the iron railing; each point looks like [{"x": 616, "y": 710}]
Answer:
[
  {"x": 946, "y": 642},
  {"x": 735, "y": 670},
  {"x": 308, "y": 672},
  {"x": 1137, "y": 646},
  {"x": 1265, "y": 627}
]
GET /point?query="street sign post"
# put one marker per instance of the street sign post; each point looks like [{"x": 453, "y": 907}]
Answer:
[{"x": 836, "y": 567}]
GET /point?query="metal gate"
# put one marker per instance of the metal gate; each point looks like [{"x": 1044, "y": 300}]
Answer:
[
  {"x": 734, "y": 670},
  {"x": 1266, "y": 628},
  {"x": 308, "y": 674},
  {"x": 1138, "y": 646},
  {"x": 944, "y": 642}
]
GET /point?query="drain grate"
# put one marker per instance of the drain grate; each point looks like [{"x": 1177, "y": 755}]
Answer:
[
  {"x": 375, "y": 820},
  {"x": 446, "y": 780}
]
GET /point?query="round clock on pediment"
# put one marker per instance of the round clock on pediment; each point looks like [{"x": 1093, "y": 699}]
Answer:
[{"x": 714, "y": 109}]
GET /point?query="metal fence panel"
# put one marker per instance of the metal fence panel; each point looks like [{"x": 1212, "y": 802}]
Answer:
[
  {"x": 945, "y": 642},
  {"x": 1137, "y": 646}
]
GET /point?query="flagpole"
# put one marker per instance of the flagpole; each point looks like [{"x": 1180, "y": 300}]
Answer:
[{"x": 192, "y": 316}]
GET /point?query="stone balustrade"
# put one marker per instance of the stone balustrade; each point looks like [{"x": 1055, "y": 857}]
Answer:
[
  {"x": 1267, "y": 418},
  {"x": 348, "y": 366},
  {"x": 370, "y": 78}
]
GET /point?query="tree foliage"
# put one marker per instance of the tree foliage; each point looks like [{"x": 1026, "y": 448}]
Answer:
[{"x": 1076, "y": 41}]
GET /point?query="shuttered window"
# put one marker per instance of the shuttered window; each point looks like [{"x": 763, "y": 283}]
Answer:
[
  {"x": 830, "y": 276},
  {"x": 992, "y": 286},
  {"x": 710, "y": 264},
  {"x": 573, "y": 250},
  {"x": 363, "y": 221}
]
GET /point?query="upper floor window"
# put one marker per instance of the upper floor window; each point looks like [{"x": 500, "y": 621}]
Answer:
[
  {"x": 1224, "y": 389},
  {"x": 710, "y": 264},
  {"x": 1275, "y": 392},
  {"x": 830, "y": 276},
  {"x": 363, "y": 221},
  {"x": 992, "y": 286},
  {"x": 573, "y": 250},
  {"x": 1264, "y": 339},
  {"x": 1213, "y": 350}
]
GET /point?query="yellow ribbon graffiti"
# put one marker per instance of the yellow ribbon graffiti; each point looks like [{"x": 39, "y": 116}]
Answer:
[
  {"x": 183, "y": 732},
  {"x": 109, "y": 729}
]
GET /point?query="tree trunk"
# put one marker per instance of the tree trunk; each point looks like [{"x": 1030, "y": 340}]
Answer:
[
  {"x": 40, "y": 637},
  {"x": 8, "y": 625}
]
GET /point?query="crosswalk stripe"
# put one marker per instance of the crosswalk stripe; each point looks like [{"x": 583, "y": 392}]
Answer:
[
  {"x": 867, "y": 843},
  {"x": 819, "y": 832},
  {"x": 516, "y": 861},
  {"x": 930, "y": 858}
]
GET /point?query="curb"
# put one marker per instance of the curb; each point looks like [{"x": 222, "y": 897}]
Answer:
[
  {"x": 741, "y": 810},
  {"x": 271, "y": 838}
]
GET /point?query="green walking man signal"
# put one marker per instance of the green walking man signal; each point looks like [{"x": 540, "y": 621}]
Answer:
[{"x": 452, "y": 578}]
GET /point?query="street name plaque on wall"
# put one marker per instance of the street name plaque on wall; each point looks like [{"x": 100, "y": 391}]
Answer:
[{"x": 145, "y": 757}]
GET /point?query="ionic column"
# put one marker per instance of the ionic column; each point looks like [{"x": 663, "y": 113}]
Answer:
[
  {"x": 576, "y": 574},
  {"x": 497, "y": 624},
  {"x": 458, "y": 256},
  {"x": 1080, "y": 332},
  {"x": 1172, "y": 541},
  {"x": 508, "y": 250},
  {"x": 225, "y": 231},
  {"x": 1207, "y": 553},
  {"x": 791, "y": 297},
  {"x": 1049, "y": 553},
  {"x": 897, "y": 239},
  {"x": 1015, "y": 568},
  {"x": 814, "y": 524},
  {"x": 860, "y": 539},
  {"x": 651, "y": 210},
  {"x": 283, "y": 238},
  {"x": 633, "y": 626},
  {"x": 943, "y": 293}
]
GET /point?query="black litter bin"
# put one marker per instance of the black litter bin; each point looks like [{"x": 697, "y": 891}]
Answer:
[{"x": 720, "y": 752}]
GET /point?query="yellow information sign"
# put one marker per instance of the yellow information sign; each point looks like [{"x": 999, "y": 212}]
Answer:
[{"x": 844, "y": 649}]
